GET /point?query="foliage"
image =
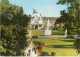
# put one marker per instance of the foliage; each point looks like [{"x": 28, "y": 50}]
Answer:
[
  {"x": 70, "y": 18},
  {"x": 4, "y": 5},
  {"x": 53, "y": 53},
  {"x": 13, "y": 29},
  {"x": 45, "y": 54},
  {"x": 77, "y": 45},
  {"x": 35, "y": 37}
]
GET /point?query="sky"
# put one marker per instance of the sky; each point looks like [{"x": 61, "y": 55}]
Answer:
[{"x": 47, "y": 8}]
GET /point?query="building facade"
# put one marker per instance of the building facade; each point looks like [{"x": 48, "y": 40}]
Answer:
[{"x": 36, "y": 20}]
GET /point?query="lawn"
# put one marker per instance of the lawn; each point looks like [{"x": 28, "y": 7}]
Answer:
[
  {"x": 42, "y": 32},
  {"x": 61, "y": 46},
  {"x": 58, "y": 32},
  {"x": 38, "y": 32}
]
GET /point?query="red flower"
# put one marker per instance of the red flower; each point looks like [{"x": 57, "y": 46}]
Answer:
[{"x": 40, "y": 51}]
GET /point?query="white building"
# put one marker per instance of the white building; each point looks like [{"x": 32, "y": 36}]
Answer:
[{"x": 36, "y": 20}]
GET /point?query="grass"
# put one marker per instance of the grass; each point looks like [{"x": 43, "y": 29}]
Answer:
[
  {"x": 58, "y": 32},
  {"x": 37, "y": 32},
  {"x": 61, "y": 46},
  {"x": 42, "y": 32}
]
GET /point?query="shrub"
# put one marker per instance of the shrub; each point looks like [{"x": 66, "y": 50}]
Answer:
[
  {"x": 53, "y": 53},
  {"x": 45, "y": 54}
]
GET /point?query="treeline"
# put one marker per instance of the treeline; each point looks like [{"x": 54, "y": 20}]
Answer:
[
  {"x": 13, "y": 29},
  {"x": 70, "y": 18}
]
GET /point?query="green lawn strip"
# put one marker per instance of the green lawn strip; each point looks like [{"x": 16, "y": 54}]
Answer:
[
  {"x": 37, "y": 32},
  {"x": 42, "y": 32},
  {"x": 58, "y": 32},
  {"x": 61, "y": 46},
  {"x": 60, "y": 52},
  {"x": 50, "y": 41}
]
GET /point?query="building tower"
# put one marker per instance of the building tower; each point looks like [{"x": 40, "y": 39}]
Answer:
[{"x": 36, "y": 20}]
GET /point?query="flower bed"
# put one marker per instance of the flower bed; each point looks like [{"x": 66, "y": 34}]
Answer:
[{"x": 39, "y": 46}]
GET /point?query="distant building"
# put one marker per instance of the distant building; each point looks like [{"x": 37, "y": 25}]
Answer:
[
  {"x": 39, "y": 22},
  {"x": 52, "y": 20},
  {"x": 36, "y": 20}
]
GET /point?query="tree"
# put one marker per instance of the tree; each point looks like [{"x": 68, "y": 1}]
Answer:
[
  {"x": 4, "y": 5},
  {"x": 13, "y": 30},
  {"x": 69, "y": 16},
  {"x": 73, "y": 18}
]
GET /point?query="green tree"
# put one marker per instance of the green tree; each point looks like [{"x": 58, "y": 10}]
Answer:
[
  {"x": 13, "y": 30},
  {"x": 71, "y": 17},
  {"x": 4, "y": 5},
  {"x": 73, "y": 10}
]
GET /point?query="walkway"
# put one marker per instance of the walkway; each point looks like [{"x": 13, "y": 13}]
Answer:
[
  {"x": 44, "y": 36},
  {"x": 30, "y": 51}
]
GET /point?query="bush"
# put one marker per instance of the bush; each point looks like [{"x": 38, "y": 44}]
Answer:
[
  {"x": 53, "y": 53},
  {"x": 35, "y": 37},
  {"x": 45, "y": 54}
]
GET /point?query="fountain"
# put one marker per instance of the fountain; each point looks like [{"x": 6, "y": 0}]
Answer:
[{"x": 48, "y": 31}]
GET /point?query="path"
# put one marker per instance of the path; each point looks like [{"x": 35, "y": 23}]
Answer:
[
  {"x": 30, "y": 51},
  {"x": 44, "y": 36}
]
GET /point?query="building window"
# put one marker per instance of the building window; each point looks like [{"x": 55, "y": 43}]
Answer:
[{"x": 39, "y": 25}]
